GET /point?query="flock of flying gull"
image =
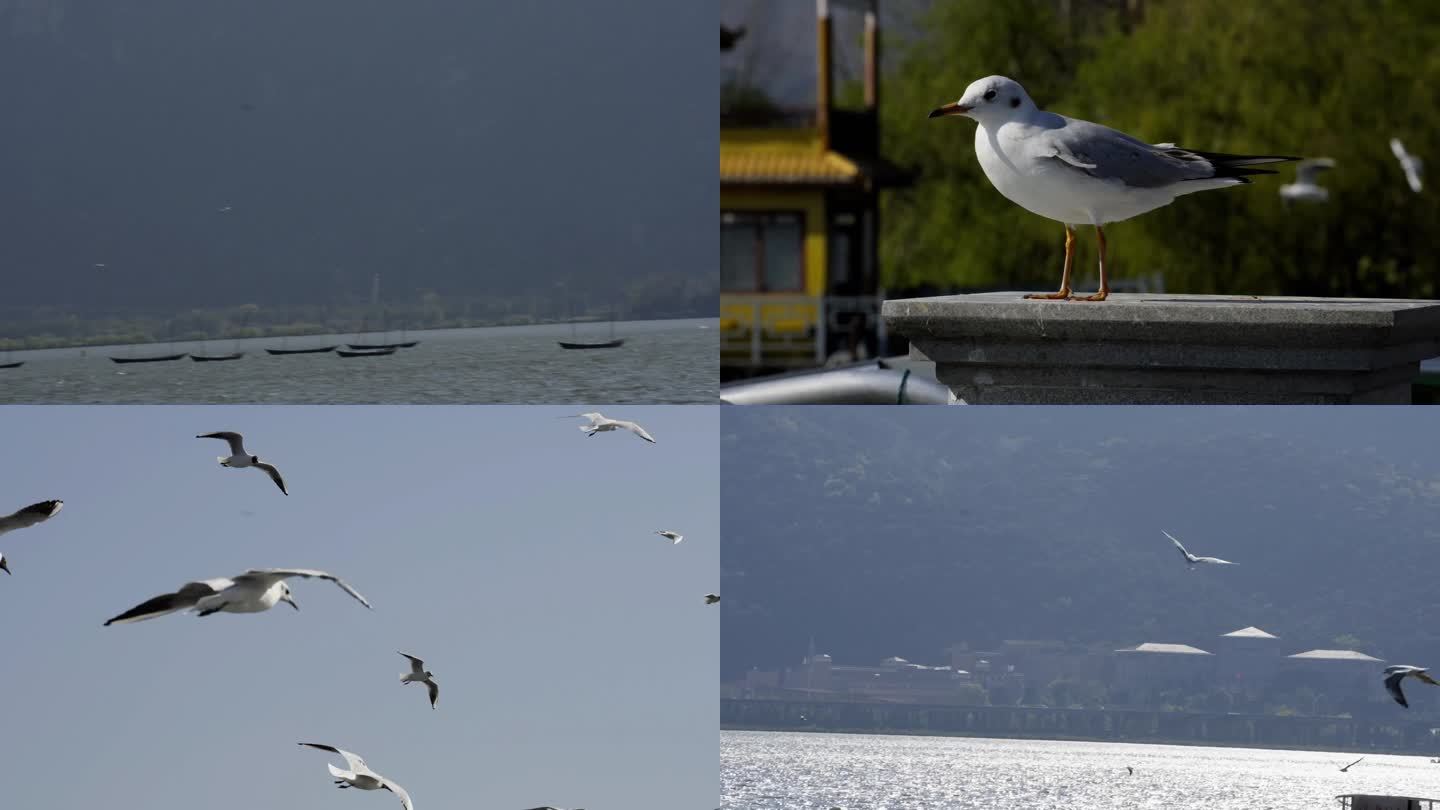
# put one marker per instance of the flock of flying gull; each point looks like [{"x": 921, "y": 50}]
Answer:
[
  {"x": 1393, "y": 674},
  {"x": 1082, "y": 173},
  {"x": 260, "y": 589}
]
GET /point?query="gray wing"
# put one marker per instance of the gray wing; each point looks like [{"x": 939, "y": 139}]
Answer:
[
  {"x": 1216, "y": 560},
  {"x": 398, "y": 791},
  {"x": 236, "y": 441},
  {"x": 30, "y": 515},
  {"x": 352, "y": 760},
  {"x": 417, "y": 665},
  {"x": 186, "y": 597},
  {"x": 276, "y": 574},
  {"x": 1308, "y": 171},
  {"x": 1108, "y": 154},
  {"x": 637, "y": 430},
  {"x": 434, "y": 691},
  {"x": 1188, "y": 556},
  {"x": 1392, "y": 685},
  {"x": 273, "y": 473}
]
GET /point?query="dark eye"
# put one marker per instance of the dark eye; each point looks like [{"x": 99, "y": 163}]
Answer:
[
  {"x": 1015, "y": 102},
  {"x": 989, "y": 95}
]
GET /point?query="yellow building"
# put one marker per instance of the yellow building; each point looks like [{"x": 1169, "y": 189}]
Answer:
[{"x": 799, "y": 281}]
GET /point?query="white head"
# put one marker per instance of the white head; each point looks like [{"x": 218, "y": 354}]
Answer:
[
  {"x": 993, "y": 99},
  {"x": 286, "y": 597}
]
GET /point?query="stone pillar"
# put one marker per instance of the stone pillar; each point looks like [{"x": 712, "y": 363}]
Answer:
[{"x": 1000, "y": 348}]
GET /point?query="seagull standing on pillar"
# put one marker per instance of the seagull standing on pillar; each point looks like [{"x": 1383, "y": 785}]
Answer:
[
  {"x": 360, "y": 775},
  {"x": 418, "y": 674},
  {"x": 1395, "y": 674},
  {"x": 239, "y": 458},
  {"x": 1191, "y": 559},
  {"x": 1079, "y": 173}
]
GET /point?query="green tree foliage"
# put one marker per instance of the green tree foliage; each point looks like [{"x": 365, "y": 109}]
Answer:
[{"x": 1284, "y": 77}]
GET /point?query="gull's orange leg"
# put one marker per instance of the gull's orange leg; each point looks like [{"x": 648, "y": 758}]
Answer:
[
  {"x": 1069, "y": 263},
  {"x": 1104, "y": 286}
]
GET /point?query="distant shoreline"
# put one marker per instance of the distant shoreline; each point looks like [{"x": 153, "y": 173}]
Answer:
[
  {"x": 1064, "y": 738},
  {"x": 310, "y": 333}
]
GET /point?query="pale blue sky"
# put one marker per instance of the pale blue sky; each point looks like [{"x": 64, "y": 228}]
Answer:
[{"x": 575, "y": 655}]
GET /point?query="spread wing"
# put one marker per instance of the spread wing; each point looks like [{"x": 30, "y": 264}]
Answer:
[
  {"x": 1308, "y": 171},
  {"x": 273, "y": 575},
  {"x": 434, "y": 691},
  {"x": 273, "y": 473},
  {"x": 353, "y": 761},
  {"x": 398, "y": 791},
  {"x": 1188, "y": 556},
  {"x": 236, "y": 441},
  {"x": 1392, "y": 685},
  {"x": 186, "y": 597},
  {"x": 417, "y": 665},
  {"x": 30, "y": 515},
  {"x": 637, "y": 430}
]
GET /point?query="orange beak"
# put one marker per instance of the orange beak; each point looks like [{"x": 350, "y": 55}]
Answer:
[{"x": 953, "y": 108}]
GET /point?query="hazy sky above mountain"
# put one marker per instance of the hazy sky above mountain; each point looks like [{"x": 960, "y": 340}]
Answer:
[
  {"x": 211, "y": 153},
  {"x": 575, "y": 655}
]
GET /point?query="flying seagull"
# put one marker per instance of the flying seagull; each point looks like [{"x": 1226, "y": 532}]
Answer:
[
  {"x": 1131, "y": 769},
  {"x": 360, "y": 775},
  {"x": 1395, "y": 674},
  {"x": 674, "y": 537},
  {"x": 25, "y": 518},
  {"x": 239, "y": 458},
  {"x": 256, "y": 590},
  {"x": 599, "y": 423},
  {"x": 1305, "y": 189},
  {"x": 712, "y": 598},
  {"x": 418, "y": 674},
  {"x": 1191, "y": 558},
  {"x": 730, "y": 37},
  {"x": 30, "y": 515},
  {"x": 1409, "y": 163},
  {"x": 1347, "y": 768},
  {"x": 1080, "y": 173}
]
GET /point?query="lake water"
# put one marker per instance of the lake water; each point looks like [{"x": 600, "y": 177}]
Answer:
[
  {"x": 763, "y": 770},
  {"x": 661, "y": 362}
]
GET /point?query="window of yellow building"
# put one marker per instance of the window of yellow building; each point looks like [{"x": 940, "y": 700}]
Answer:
[{"x": 762, "y": 252}]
